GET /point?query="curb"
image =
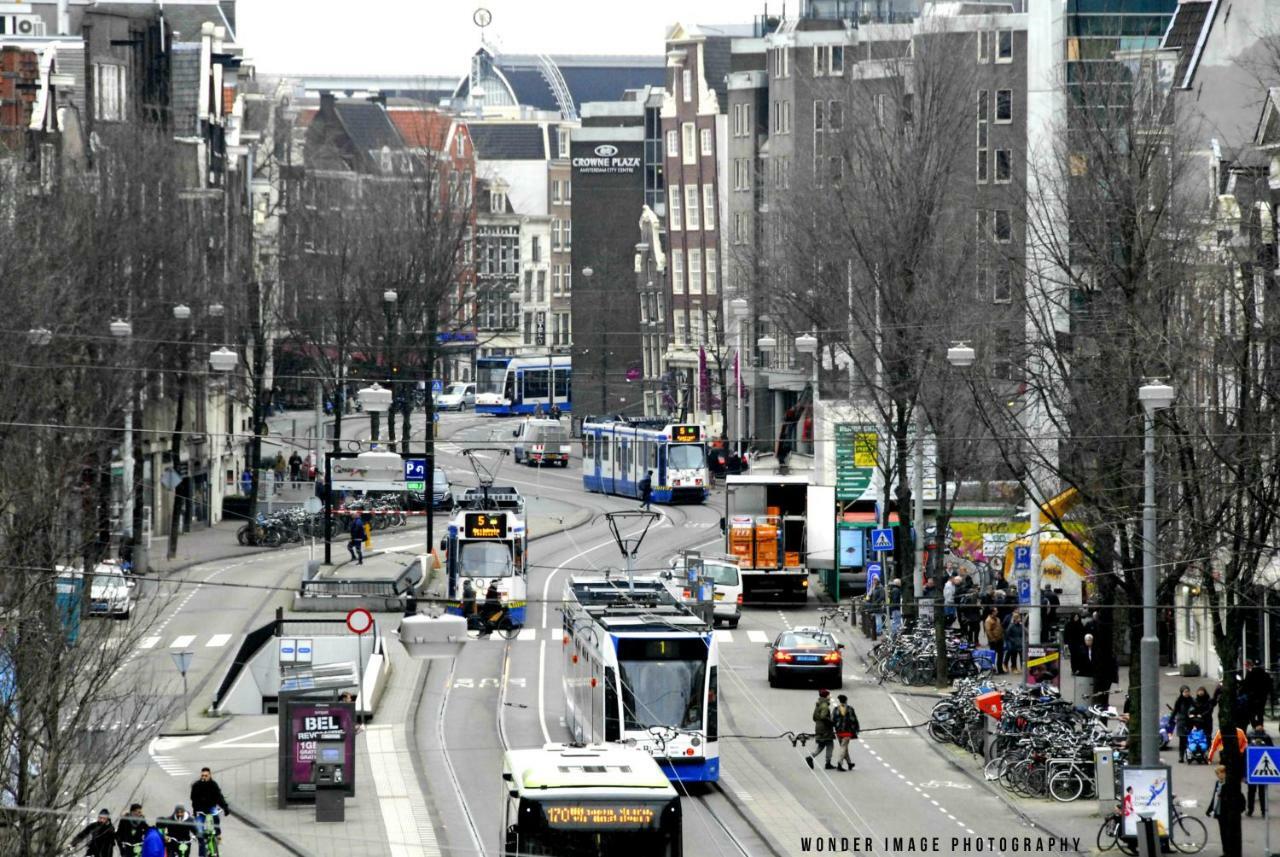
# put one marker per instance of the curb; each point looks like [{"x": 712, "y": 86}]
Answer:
[{"x": 218, "y": 723}]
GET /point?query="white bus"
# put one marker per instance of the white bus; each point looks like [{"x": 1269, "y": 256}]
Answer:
[
  {"x": 640, "y": 666},
  {"x": 588, "y": 801}
]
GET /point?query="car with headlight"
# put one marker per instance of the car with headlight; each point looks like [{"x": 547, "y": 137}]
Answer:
[
  {"x": 806, "y": 654},
  {"x": 457, "y": 397}
]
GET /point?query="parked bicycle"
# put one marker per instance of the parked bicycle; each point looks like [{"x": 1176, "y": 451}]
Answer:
[{"x": 1187, "y": 834}]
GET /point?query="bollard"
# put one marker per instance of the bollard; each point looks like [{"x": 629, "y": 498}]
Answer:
[{"x": 1148, "y": 838}]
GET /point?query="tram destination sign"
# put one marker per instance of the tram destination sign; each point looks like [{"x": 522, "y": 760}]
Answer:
[
  {"x": 484, "y": 525},
  {"x": 686, "y": 434}
]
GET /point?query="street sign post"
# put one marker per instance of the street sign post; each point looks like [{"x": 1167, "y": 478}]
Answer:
[
  {"x": 1262, "y": 768},
  {"x": 182, "y": 660},
  {"x": 1022, "y": 557},
  {"x": 359, "y": 622},
  {"x": 437, "y": 387},
  {"x": 1024, "y": 590},
  {"x": 882, "y": 540}
]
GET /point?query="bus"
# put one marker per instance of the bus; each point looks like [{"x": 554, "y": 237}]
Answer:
[
  {"x": 588, "y": 801},
  {"x": 616, "y": 455},
  {"x": 641, "y": 667},
  {"x": 508, "y": 386},
  {"x": 486, "y": 545}
]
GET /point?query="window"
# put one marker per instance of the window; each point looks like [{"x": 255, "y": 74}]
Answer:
[
  {"x": 705, "y": 139},
  {"x": 528, "y": 328},
  {"x": 711, "y": 270},
  {"x": 535, "y": 248},
  {"x": 678, "y": 326},
  {"x": 567, "y": 231},
  {"x": 708, "y": 207},
  {"x": 555, "y": 233},
  {"x": 528, "y": 286},
  {"x": 110, "y": 92},
  {"x": 983, "y": 162},
  {"x": 690, "y": 144},
  {"x": 821, "y": 57},
  {"x": 677, "y": 272},
  {"x": 777, "y": 118},
  {"x": 737, "y": 120},
  {"x": 835, "y": 116},
  {"x": 1004, "y": 105},
  {"x": 786, "y": 62},
  {"x": 568, "y": 280},
  {"x": 563, "y": 135},
  {"x": 691, "y": 206},
  {"x": 819, "y": 111},
  {"x": 984, "y": 113},
  {"x": 1003, "y": 226},
  {"x": 1004, "y": 45},
  {"x": 786, "y": 117},
  {"x": 983, "y": 55},
  {"x": 568, "y": 190},
  {"x": 980, "y": 281},
  {"x": 1004, "y": 165},
  {"x": 837, "y": 59},
  {"x": 695, "y": 271},
  {"x": 498, "y": 202},
  {"x": 1003, "y": 292},
  {"x": 542, "y": 287},
  {"x": 673, "y": 144},
  {"x": 555, "y": 280},
  {"x": 746, "y": 120},
  {"x": 462, "y": 146},
  {"x": 673, "y": 210},
  {"x": 686, "y": 84}
]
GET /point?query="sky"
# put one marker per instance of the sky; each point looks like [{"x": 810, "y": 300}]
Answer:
[{"x": 431, "y": 37}]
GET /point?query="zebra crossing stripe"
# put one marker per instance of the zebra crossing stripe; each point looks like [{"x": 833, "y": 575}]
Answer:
[
  {"x": 148, "y": 642},
  {"x": 217, "y": 641},
  {"x": 757, "y": 637}
]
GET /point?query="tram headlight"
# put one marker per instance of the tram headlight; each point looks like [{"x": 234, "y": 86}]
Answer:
[{"x": 696, "y": 741}]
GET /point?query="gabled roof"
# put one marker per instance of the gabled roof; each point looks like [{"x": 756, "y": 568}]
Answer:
[
  {"x": 186, "y": 17},
  {"x": 1187, "y": 32},
  {"x": 559, "y": 83},
  {"x": 1267, "y": 137},
  {"x": 367, "y": 125},
  {"x": 422, "y": 128},
  {"x": 500, "y": 141}
]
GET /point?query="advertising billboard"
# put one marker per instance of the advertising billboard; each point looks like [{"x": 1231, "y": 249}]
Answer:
[{"x": 307, "y": 723}]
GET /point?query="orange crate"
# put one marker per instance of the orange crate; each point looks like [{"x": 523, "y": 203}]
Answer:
[
  {"x": 792, "y": 559},
  {"x": 773, "y": 511}
]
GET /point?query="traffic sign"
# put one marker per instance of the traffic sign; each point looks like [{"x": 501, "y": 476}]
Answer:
[
  {"x": 1262, "y": 766},
  {"x": 882, "y": 540},
  {"x": 437, "y": 387},
  {"x": 359, "y": 621},
  {"x": 415, "y": 469},
  {"x": 182, "y": 660},
  {"x": 874, "y": 570},
  {"x": 415, "y": 486},
  {"x": 1024, "y": 590},
  {"x": 1022, "y": 557}
]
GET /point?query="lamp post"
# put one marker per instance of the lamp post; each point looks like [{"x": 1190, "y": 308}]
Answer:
[
  {"x": 766, "y": 345},
  {"x": 1155, "y": 395},
  {"x": 122, "y": 330},
  {"x": 375, "y": 399},
  {"x": 587, "y": 274},
  {"x": 181, "y": 314},
  {"x": 807, "y": 343},
  {"x": 389, "y": 298},
  {"x": 739, "y": 307}
]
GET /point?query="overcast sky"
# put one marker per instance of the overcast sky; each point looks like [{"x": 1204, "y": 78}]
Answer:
[{"x": 437, "y": 36}]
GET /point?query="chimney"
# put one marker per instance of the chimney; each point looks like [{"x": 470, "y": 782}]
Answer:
[{"x": 64, "y": 18}]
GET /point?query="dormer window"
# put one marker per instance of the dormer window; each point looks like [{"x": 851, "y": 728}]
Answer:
[
  {"x": 386, "y": 159},
  {"x": 498, "y": 202}
]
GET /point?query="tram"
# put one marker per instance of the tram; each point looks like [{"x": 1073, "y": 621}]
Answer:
[
  {"x": 511, "y": 386},
  {"x": 590, "y": 801},
  {"x": 616, "y": 455},
  {"x": 486, "y": 543},
  {"x": 641, "y": 667}
]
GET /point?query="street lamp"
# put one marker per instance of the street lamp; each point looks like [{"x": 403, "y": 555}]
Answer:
[
  {"x": 375, "y": 399},
  {"x": 182, "y": 312},
  {"x": 39, "y": 336},
  {"x": 766, "y": 343},
  {"x": 223, "y": 360},
  {"x": 217, "y": 310},
  {"x": 1155, "y": 395},
  {"x": 739, "y": 308},
  {"x": 122, "y": 330},
  {"x": 961, "y": 355}
]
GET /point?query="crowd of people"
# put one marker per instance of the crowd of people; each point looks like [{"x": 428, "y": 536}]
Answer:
[{"x": 172, "y": 835}]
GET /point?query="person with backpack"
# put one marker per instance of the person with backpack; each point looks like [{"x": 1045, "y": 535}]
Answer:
[
  {"x": 844, "y": 720},
  {"x": 355, "y": 547},
  {"x": 178, "y": 830},
  {"x": 823, "y": 733}
]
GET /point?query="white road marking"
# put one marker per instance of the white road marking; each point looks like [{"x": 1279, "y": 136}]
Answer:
[
  {"x": 757, "y": 637},
  {"x": 527, "y": 634},
  {"x": 403, "y": 836},
  {"x": 542, "y": 695},
  {"x": 724, "y": 636},
  {"x": 148, "y": 642},
  {"x": 239, "y": 742},
  {"x": 183, "y": 641},
  {"x": 217, "y": 641}
]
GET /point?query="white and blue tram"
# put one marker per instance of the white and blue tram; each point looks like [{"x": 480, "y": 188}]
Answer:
[
  {"x": 616, "y": 455},
  {"x": 639, "y": 666},
  {"x": 486, "y": 546},
  {"x": 510, "y": 386}
]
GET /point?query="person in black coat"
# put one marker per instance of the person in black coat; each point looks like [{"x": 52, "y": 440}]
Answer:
[
  {"x": 178, "y": 830},
  {"x": 1073, "y": 638},
  {"x": 130, "y": 831},
  {"x": 1181, "y": 710},
  {"x": 206, "y": 796},
  {"x": 1258, "y": 737},
  {"x": 1202, "y": 710},
  {"x": 1257, "y": 690},
  {"x": 646, "y": 488},
  {"x": 99, "y": 836}
]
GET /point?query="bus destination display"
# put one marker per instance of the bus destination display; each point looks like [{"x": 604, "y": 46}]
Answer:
[
  {"x": 686, "y": 434},
  {"x": 593, "y": 815},
  {"x": 484, "y": 525}
]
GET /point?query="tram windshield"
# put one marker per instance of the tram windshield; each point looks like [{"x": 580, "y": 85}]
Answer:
[
  {"x": 663, "y": 682},
  {"x": 686, "y": 456},
  {"x": 485, "y": 559},
  {"x": 490, "y": 376},
  {"x": 597, "y": 828}
]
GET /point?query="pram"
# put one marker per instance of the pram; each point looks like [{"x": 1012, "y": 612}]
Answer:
[{"x": 1197, "y": 746}]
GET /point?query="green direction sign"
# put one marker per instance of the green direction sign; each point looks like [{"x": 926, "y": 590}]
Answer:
[
  {"x": 415, "y": 486},
  {"x": 857, "y": 446}
]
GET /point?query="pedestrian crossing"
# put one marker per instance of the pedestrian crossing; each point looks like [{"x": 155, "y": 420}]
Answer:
[
  {"x": 723, "y": 636},
  {"x": 184, "y": 641}
]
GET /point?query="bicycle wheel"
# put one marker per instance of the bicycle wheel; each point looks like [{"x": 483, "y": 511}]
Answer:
[
  {"x": 1108, "y": 832},
  {"x": 940, "y": 731},
  {"x": 993, "y": 769},
  {"x": 508, "y": 631},
  {"x": 1066, "y": 786},
  {"x": 1188, "y": 834}
]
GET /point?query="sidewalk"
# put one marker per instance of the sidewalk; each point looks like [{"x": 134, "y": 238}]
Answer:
[{"x": 1192, "y": 784}]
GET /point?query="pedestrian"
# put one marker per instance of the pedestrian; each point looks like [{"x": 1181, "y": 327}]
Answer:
[
  {"x": 1105, "y": 671},
  {"x": 178, "y": 831},
  {"x": 1257, "y": 690},
  {"x": 895, "y": 605},
  {"x": 1181, "y": 711},
  {"x": 1049, "y": 603},
  {"x": 130, "y": 831},
  {"x": 1014, "y": 638},
  {"x": 355, "y": 546},
  {"x": 1258, "y": 737},
  {"x": 309, "y": 468},
  {"x": 844, "y": 720},
  {"x": 874, "y": 602},
  {"x": 295, "y": 467},
  {"x": 280, "y": 467},
  {"x": 1202, "y": 710},
  {"x": 1242, "y": 741},
  {"x": 646, "y": 488},
  {"x": 969, "y": 609},
  {"x": 207, "y": 800},
  {"x": 949, "y": 599},
  {"x": 246, "y": 483},
  {"x": 1073, "y": 637},
  {"x": 1224, "y": 806},
  {"x": 786, "y": 437},
  {"x": 1082, "y": 661},
  {"x": 99, "y": 836},
  {"x": 468, "y": 597},
  {"x": 823, "y": 732},
  {"x": 995, "y": 637},
  {"x": 555, "y": 411}
]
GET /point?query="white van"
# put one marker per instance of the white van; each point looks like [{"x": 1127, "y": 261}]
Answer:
[
  {"x": 541, "y": 441},
  {"x": 723, "y": 571},
  {"x": 458, "y": 397}
]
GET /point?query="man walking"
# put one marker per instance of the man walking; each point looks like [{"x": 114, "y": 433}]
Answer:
[
  {"x": 295, "y": 468},
  {"x": 207, "y": 800},
  {"x": 98, "y": 836},
  {"x": 823, "y": 733},
  {"x": 1258, "y": 737},
  {"x": 1257, "y": 690},
  {"x": 646, "y": 488},
  {"x": 844, "y": 720},
  {"x": 355, "y": 546},
  {"x": 995, "y": 637}
]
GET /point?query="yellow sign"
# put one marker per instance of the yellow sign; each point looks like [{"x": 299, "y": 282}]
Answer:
[
  {"x": 480, "y": 525},
  {"x": 686, "y": 434},
  {"x": 603, "y": 815},
  {"x": 1037, "y": 662},
  {"x": 864, "y": 449}
]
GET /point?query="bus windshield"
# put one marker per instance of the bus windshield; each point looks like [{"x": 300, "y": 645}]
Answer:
[
  {"x": 686, "y": 456},
  {"x": 484, "y": 559},
  {"x": 490, "y": 376}
]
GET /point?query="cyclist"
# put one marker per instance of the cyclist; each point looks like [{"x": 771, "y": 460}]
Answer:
[
  {"x": 178, "y": 830},
  {"x": 130, "y": 831},
  {"x": 493, "y": 610},
  {"x": 207, "y": 800},
  {"x": 101, "y": 835}
]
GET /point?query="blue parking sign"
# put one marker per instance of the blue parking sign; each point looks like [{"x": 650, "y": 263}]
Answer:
[
  {"x": 1024, "y": 590},
  {"x": 1022, "y": 556},
  {"x": 873, "y": 573},
  {"x": 415, "y": 469}
]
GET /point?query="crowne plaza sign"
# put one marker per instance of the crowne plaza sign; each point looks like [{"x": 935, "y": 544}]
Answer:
[{"x": 605, "y": 158}]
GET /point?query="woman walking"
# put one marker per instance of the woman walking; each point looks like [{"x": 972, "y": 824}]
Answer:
[
  {"x": 1014, "y": 637},
  {"x": 1181, "y": 709}
]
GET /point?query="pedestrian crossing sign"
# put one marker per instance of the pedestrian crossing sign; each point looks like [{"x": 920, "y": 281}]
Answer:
[
  {"x": 882, "y": 540},
  {"x": 1262, "y": 766}
]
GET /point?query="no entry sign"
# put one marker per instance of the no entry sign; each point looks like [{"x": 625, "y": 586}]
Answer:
[{"x": 359, "y": 620}]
